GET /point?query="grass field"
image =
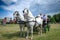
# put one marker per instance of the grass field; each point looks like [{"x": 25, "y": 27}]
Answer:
[{"x": 11, "y": 32}]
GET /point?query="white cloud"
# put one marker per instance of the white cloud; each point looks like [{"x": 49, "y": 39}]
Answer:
[
  {"x": 21, "y": 4},
  {"x": 41, "y": 2},
  {"x": 8, "y": 2}
]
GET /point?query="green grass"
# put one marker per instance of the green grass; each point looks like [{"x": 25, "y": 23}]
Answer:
[
  {"x": 11, "y": 32},
  {"x": 53, "y": 34}
]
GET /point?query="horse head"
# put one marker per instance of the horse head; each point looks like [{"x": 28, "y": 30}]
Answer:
[
  {"x": 27, "y": 14},
  {"x": 18, "y": 15}
]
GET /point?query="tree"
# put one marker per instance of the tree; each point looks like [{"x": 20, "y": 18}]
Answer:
[
  {"x": 57, "y": 17},
  {"x": 53, "y": 20}
]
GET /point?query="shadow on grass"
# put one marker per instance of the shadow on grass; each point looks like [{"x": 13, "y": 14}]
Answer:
[{"x": 17, "y": 34}]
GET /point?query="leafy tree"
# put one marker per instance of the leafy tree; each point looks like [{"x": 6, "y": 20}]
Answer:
[
  {"x": 57, "y": 17},
  {"x": 53, "y": 20},
  {"x": 1, "y": 20}
]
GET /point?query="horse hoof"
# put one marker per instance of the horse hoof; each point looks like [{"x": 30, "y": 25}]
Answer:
[
  {"x": 26, "y": 38},
  {"x": 31, "y": 38}
]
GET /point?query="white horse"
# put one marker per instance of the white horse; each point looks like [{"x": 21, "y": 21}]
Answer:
[
  {"x": 31, "y": 21},
  {"x": 20, "y": 20},
  {"x": 39, "y": 23}
]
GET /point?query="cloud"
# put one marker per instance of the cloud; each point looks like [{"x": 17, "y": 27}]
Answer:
[
  {"x": 8, "y": 2},
  {"x": 45, "y": 6},
  {"x": 36, "y": 6},
  {"x": 19, "y": 6},
  {"x": 45, "y": 1}
]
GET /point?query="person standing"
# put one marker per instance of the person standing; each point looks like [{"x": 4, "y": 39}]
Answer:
[
  {"x": 48, "y": 23},
  {"x": 44, "y": 22},
  {"x": 4, "y": 21},
  {"x": 10, "y": 20}
]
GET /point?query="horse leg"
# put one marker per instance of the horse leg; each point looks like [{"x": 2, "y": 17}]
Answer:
[
  {"x": 20, "y": 30},
  {"x": 41, "y": 29},
  {"x": 23, "y": 31},
  {"x": 44, "y": 28},
  {"x": 27, "y": 33},
  {"x": 31, "y": 32}
]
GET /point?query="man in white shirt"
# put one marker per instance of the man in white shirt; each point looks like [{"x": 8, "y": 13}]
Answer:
[{"x": 44, "y": 22}]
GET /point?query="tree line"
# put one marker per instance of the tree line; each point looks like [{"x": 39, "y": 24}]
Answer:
[{"x": 55, "y": 18}]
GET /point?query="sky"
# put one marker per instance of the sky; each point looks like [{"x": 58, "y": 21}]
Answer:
[{"x": 8, "y": 7}]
